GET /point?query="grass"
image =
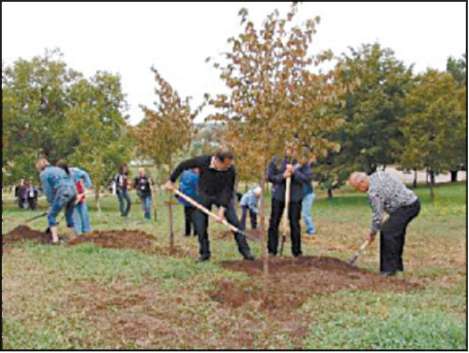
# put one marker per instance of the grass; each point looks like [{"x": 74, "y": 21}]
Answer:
[{"x": 85, "y": 297}]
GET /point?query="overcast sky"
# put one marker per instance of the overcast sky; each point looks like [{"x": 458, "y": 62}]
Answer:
[{"x": 128, "y": 38}]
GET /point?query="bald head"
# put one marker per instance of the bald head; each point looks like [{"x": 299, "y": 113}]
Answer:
[{"x": 359, "y": 181}]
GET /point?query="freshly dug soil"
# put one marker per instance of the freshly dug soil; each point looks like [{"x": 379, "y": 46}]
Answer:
[
  {"x": 292, "y": 281},
  {"x": 22, "y": 233},
  {"x": 127, "y": 239}
]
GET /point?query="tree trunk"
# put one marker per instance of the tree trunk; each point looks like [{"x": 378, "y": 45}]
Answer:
[
  {"x": 454, "y": 176},
  {"x": 171, "y": 230},
  {"x": 329, "y": 193},
  {"x": 262, "y": 224},
  {"x": 96, "y": 198},
  {"x": 414, "y": 183},
  {"x": 431, "y": 173}
]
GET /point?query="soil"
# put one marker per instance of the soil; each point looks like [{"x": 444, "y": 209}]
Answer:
[
  {"x": 22, "y": 233},
  {"x": 253, "y": 234},
  {"x": 292, "y": 281}
]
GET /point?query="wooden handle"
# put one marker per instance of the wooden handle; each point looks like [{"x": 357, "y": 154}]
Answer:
[
  {"x": 204, "y": 209},
  {"x": 287, "y": 203}
]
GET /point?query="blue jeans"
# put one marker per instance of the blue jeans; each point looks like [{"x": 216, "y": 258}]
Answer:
[
  {"x": 306, "y": 206},
  {"x": 81, "y": 218},
  {"x": 146, "y": 205},
  {"x": 124, "y": 202},
  {"x": 64, "y": 198}
]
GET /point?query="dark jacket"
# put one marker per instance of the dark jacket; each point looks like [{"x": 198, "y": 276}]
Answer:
[
  {"x": 301, "y": 176},
  {"x": 142, "y": 185},
  {"x": 217, "y": 185}
]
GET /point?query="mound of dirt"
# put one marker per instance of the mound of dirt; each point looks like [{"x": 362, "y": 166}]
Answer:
[
  {"x": 292, "y": 281},
  {"x": 22, "y": 233},
  {"x": 127, "y": 239}
]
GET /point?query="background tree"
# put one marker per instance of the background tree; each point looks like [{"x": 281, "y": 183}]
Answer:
[
  {"x": 98, "y": 123},
  {"x": 457, "y": 69},
  {"x": 275, "y": 98},
  {"x": 34, "y": 102},
  {"x": 435, "y": 119},
  {"x": 166, "y": 132}
]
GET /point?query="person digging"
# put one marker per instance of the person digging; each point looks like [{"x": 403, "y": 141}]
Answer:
[
  {"x": 215, "y": 188},
  {"x": 60, "y": 193},
  {"x": 386, "y": 193}
]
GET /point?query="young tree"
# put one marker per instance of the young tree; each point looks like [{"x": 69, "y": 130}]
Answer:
[
  {"x": 435, "y": 120},
  {"x": 275, "y": 97},
  {"x": 165, "y": 132},
  {"x": 97, "y": 121}
]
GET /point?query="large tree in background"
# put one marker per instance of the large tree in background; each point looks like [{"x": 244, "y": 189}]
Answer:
[
  {"x": 97, "y": 121},
  {"x": 166, "y": 131},
  {"x": 274, "y": 96},
  {"x": 435, "y": 126},
  {"x": 35, "y": 97},
  {"x": 458, "y": 69}
]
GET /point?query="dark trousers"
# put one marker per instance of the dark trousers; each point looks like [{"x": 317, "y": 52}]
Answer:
[
  {"x": 124, "y": 202},
  {"x": 200, "y": 220},
  {"x": 252, "y": 216},
  {"x": 32, "y": 201},
  {"x": 392, "y": 237},
  {"x": 294, "y": 215},
  {"x": 188, "y": 210}
]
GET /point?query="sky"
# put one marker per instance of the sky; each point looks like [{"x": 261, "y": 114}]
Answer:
[{"x": 129, "y": 38}]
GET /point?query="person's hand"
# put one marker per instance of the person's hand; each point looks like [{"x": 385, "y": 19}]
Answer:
[
  {"x": 286, "y": 174},
  {"x": 220, "y": 215},
  {"x": 169, "y": 185},
  {"x": 371, "y": 237}
]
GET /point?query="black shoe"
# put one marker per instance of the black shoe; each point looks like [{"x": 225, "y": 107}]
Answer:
[
  {"x": 249, "y": 257},
  {"x": 203, "y": 258},
  {"x": 388, "y": 274}
]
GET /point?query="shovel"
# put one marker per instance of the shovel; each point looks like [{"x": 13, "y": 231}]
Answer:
[
  {"x": 285, "y": 214},
  {"x": 360, "y": 251},
  {"x": 211, "y": 214}
]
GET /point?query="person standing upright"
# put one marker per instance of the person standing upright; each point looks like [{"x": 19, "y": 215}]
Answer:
[
  {"x": 121, "y": 181},
  {"x": 143, "y": 185},
  {"x": 307, "y": 205},
  {"x": 277, "y": 173}
]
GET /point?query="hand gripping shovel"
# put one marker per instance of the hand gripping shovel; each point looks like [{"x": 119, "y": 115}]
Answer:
[{"x": 211, "y": 214}]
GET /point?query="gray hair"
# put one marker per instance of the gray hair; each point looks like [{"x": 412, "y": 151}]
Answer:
[{"x": 357, "y": 177}]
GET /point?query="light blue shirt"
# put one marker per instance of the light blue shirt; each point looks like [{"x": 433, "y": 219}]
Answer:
[
  {"x": 80, "y": 174},
  {"x": 249, "y": 200},
  {"x": 52, "y": 179}
]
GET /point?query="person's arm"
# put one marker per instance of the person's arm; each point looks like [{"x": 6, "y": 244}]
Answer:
[
  {"x": 303, "y": 174},
  {"x": 273, "y": 174},
  {"x": 46, "y": 188},
  {"x": 197, "y": 162},
  {"x": 87, "y": 180},
  {"x": 253, "y": 206},
  {"x": 377, "y": 208}
]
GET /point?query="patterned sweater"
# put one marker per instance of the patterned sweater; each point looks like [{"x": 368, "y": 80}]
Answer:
[{"x": 386, "y": 193}]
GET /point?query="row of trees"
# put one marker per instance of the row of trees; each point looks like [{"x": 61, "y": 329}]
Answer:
[{"x": 368, "y": 111}]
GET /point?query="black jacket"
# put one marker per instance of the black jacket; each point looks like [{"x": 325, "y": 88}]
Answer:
[
  {"x": 218, "y": 185},
  {"x": 301, "y": 176}
]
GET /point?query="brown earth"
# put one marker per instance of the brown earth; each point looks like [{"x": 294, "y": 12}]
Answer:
[
  {"x": 22, "y": 233},
  {"x": 253, "y": 234},
  {"x": 292, "y": 281}
]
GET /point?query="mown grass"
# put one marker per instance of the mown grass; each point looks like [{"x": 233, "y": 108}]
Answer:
[{"x": 66, "y": 297}]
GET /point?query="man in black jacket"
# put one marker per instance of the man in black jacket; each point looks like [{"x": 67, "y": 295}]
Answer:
[
  {"x": 216, "y": 187},
  {"x": 277, "y": 173}
]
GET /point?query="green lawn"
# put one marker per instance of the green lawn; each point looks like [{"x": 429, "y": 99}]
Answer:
[{"x": 86, "y": 297}]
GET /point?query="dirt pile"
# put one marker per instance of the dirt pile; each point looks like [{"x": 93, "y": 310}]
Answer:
[
  {"x": 22, "y": 233},
  {"x": 292, "y": 281},
  {"x": 128, "y": 239}
]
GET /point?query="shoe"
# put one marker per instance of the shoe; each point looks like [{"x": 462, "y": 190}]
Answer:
[
  {"x": 203, "y": 258},
  {"x": 388, "y": 274},
  {"x": 298, "y": 256},
  {"x": 249, "y": 257}
]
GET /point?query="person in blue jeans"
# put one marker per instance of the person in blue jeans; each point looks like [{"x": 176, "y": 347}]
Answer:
[
  {"x": 121, "y": 181},
  {"x": 81, "y": 218},
  {"x": 142, "y": 184},
  {"x": 188, "y": 183},
  {"x": 249, "y": 203},
  {"x": 60, "y": 191},
  {"x": 307, "y": 205}
]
